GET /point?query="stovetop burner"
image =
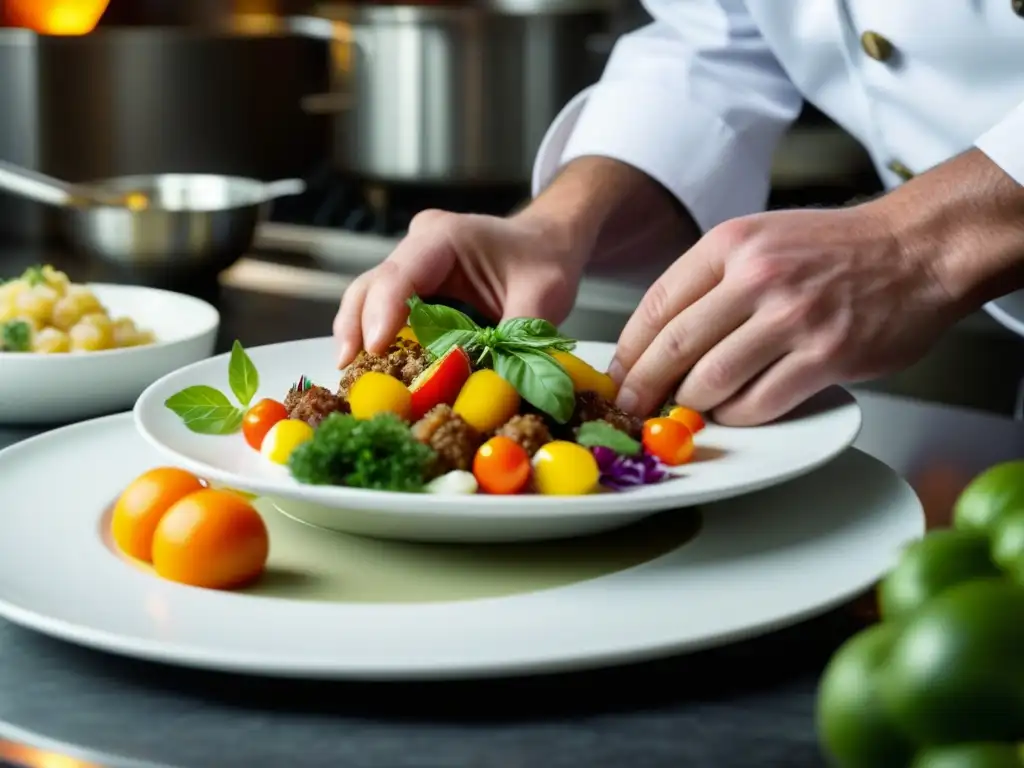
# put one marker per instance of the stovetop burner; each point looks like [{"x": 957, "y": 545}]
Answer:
[{"x": 337, "y": 201}]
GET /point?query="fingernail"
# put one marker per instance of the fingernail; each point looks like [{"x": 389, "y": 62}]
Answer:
[
  {"x": 627, "y": 400},
  {"x": 616, "y": 371},
  {"x": 344, "y": 354}
]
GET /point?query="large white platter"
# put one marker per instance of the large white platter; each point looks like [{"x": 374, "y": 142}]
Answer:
[
  {"x": 53, "y": 389},
  {"x": 760, "y": 562},
  {"x": 729, "y": 462}
]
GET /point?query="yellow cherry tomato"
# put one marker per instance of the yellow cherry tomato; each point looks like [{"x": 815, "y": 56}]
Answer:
[
  {"x": 486, "y": 401},
  {"x": 562, "y": 468},
  {"x": 408, "y": 334},
  {"x": 376, "y": 392},
  {"x": 283, "y": 438}
]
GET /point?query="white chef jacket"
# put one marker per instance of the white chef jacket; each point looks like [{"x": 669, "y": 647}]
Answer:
[{"x": 699, "y": 99}]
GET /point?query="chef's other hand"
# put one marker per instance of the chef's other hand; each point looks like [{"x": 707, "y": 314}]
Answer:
[
  {"x": 767, "y": 310},
  {"x": 519, "y": 266}
]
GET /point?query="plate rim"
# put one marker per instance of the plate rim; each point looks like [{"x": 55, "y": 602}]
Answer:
[
  {"x": 228, "y": 660},
  {"x": 363, "y": 499}
]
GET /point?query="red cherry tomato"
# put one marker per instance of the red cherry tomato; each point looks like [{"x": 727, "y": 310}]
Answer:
[
  {"x": 691, "y": 418},
  {"x": 259, "y": 419},
  {"x": 668, "y": 440},
  {"x": 501, "y": 466}
]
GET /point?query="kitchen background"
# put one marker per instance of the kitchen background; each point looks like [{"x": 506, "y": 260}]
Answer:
[{"x": 384, "y": 109}]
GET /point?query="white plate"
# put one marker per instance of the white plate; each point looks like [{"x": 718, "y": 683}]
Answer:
[
  {"x": 760, "y": 562},
  {"x": 729, "y": 462},
  {"x": 50, "y": 389}
]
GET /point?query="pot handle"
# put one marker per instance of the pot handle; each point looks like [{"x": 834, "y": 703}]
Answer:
[{"x": 283, "y": 188}]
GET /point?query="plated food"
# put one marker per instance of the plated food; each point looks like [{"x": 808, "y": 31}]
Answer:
[
  {"x": 189, "y": 532},
  {"x": 94, "y": 348},
  {"x": 42, "y": 311},
  {"x": 451, "y": 408}
]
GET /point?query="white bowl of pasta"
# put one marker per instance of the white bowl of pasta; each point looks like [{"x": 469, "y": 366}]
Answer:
[{"x": 70, "y": 352}]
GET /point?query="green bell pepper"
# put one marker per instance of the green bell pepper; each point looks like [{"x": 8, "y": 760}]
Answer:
[{"x": 939, "y": 683}]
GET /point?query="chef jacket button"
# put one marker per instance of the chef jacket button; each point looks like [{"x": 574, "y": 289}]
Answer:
[
  {"x": 901, "y": 170},
  {"x": 1018, "y": 7},
  {"x": 876, "y": 46}
]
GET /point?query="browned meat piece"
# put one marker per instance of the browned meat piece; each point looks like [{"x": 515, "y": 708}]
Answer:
[
  {"x": 590, "y": 406},
  {"x": 313, "y": 405},
  {"x": 528, "y": 430},
  {"x": 454, "y": 441},
  {"x": 405, "y": 360}
]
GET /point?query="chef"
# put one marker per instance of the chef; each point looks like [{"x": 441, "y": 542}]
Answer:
[{"x": 664, "y": 166}]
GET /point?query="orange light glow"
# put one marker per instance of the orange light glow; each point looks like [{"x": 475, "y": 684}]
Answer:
[{"x": 54, "y": 17}]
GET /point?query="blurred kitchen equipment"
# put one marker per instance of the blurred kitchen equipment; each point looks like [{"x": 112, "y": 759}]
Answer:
[
  {"x": 148, "y": 100},
  {"x": 193, "y": 221},
  {"x": 459, "y": 93},
  {"x": 47, "y": 189}
]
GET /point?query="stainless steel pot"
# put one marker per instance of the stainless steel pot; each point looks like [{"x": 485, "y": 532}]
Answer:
[
  {"x": 146, "y": 100},
  {"x": 455, "y": 93}
]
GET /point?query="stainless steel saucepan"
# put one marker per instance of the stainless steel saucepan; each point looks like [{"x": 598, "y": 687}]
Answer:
[{"x": 172, "y": 220}]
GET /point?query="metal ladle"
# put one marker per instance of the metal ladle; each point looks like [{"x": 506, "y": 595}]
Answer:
[{"x": 52, "y": 191}]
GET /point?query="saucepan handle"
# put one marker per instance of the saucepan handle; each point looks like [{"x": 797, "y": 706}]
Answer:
[{"x": 283, "y": 188}]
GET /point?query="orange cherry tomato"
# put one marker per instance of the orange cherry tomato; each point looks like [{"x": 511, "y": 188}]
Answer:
[
  {"x": 668, "y": 440},
  {"x": 143, "y": 503},
  {"x": 691, "y": 418},
  {"x": 259, "y": 419},
  {"x": 212, "y": 539},
  {"x": 501, "y": 466}
]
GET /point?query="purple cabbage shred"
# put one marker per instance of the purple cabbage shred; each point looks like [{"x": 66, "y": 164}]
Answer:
[{"x": 621, "y": 472}]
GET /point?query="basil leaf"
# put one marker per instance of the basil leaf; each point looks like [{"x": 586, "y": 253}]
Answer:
[
  {"x": 242, "y": 375},
  {"x": 206, "y": 410},
  {"x": 545, "y": 344},
  {"x": 430, "y": 321},
  {"x": 530, "y": 327},
  {"x": 15, "y": 336},
  {"x": 538, "y": 378},
  {"x": 465, "y": 339},
  {"x": 594, "y": 434}
]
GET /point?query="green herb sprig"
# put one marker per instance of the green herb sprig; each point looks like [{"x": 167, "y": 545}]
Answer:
[
  {"x": 15, "y": 336},
  {"x": 601, "y": 434},
  {"x": 206, "y": 410},
  {"x": 517, "y": 349}
]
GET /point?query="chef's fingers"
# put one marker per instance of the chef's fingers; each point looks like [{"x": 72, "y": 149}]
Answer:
[
  {"x": 678, "y": 347},
  {"x": 419, "y": 264},
  {"x": 691, "y": 277},
  {"x": 736, "y": 361},
  {"x": 348, "y": 323},
  {"x": 785, "y": 385}
]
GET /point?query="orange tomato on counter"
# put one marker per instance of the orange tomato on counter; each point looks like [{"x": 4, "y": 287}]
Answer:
[
  {"x": 260, "y": 419},
  {"x": 212, "y": 539},
  {"x": 668, "y": 440},
  {"x": 142, "y": 504}
]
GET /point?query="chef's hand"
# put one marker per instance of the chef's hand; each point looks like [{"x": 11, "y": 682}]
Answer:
[
  {"x": 519, "y": 266},
  {"x": 766, "y": 310}
]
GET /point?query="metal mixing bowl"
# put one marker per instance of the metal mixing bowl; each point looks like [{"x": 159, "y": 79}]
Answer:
[{"x": 192, "y": 221}]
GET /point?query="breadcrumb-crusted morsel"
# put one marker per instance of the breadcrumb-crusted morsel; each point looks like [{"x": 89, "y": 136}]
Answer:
[
  {"x": 405, "y": 360},
  {"x": 454, "y": 441},
  {"x": 590, "y": 406},
  {"x": 528, "y": 430},
  {"x": 313, "y": 405}
]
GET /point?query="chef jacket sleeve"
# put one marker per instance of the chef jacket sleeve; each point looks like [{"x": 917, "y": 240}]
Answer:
[
  {"x": 1004, "y": 144},
  {"x": 696, "y": 100}
]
